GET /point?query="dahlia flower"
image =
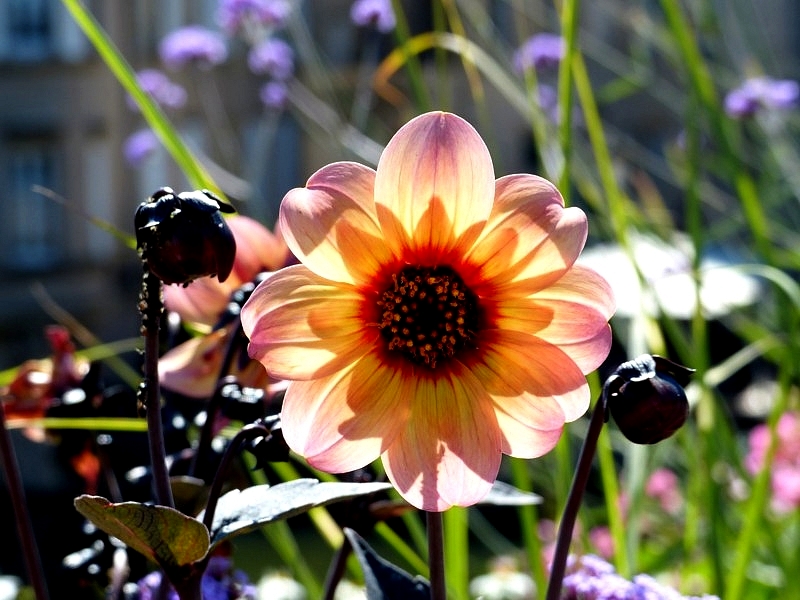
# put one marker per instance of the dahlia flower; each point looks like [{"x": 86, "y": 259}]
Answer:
[{"x": 437, "y": 319}]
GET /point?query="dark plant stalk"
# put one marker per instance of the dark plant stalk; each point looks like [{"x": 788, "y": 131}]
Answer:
[
  {"x": 436, "y": 555},
  {"x": 336, "y": 570},
  {"x": 30, "y": 552},
  {"x": 574, "y": 500},
  {"x": 151, "y": 305},
  {"x": 215, "y": 402},
  {"x": 248, "y": 432}
]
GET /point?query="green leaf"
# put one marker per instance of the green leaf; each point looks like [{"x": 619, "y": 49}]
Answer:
[
  {"x": 240, "y": 511},
  {"x": 162, "y": 534}
]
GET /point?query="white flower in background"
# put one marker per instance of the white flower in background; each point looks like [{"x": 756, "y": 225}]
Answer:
[{"x": 668, "y": 284}]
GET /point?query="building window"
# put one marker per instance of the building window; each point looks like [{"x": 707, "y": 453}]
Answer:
[
  {"x": 29, "y": 29},
  {"x": 32, "y": 225}
]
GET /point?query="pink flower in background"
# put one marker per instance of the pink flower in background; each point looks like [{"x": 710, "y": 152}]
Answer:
[
  {"x": 662, "y": 486},
  {"x": 437, "y": 319},
  {"x": 786, "y": 464}
]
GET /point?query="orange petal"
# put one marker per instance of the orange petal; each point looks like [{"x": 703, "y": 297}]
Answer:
[
  {"x": 450, "y": 451},
  {"x": 257, "y": 249},
  {"x": 192, "y": 368},
  {"x": 532, "y": 381},
  {"x": 202, "y": 301},
  {"x": 302, "y": 326},
  {"x": 434, "y": 185},
  {"x": 331, "y": 226},
  {"x": 344, "y": 421},
  {"x": 572, "y": 314},
  {"x": 531, "y": 237}
]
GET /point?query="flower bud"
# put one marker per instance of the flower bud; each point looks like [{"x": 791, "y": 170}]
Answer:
[
  {"x": 184, "y": 236},
  {"x": 646, "y": 398}
]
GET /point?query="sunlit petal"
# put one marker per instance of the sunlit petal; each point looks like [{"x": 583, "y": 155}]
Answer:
[
  {"x": 434, "y": 186},
  {"x": 344, "y": 421},
  {"x": 331, "y": 226},
  {"x": 531, "y": 238},
  {"x": 449, "y": 453},
  {"x": 572, "y": 314},
  {"x": 302, "y": 326},
  {"x": 535, "y": 382}
]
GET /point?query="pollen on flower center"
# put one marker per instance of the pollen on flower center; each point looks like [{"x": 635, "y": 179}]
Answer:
[{"x": 428, "y": 314}]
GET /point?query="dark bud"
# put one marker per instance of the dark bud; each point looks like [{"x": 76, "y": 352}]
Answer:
[
  {"x": 646, "y": 398},
  {"x": 183, "y": 236},
  {"x": 271, "y": 447}
]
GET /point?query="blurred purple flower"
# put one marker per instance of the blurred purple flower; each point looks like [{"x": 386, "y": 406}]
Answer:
[
  {"x": 759, "y": 92},
  {"x": 220, "y": 582},
  {"x": 193, "y": 44},
  {"x": 163, "y": 90},
  {"x": 548, "y": 102},
  {"x": 373, "y": 13},
  {"x": 591, "y": 578},
  {"x": 541, "y": 51},
  {"x": 272, "y": 57},
  {"x": 274, "y": 94},
  {"x": 233, "y": 14},
  {"x": 139, "y": 145}
]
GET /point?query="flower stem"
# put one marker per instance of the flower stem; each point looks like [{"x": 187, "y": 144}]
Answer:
[
  {"x": 151, "y": 305},
  {"x": 8, "y": 458},
  {"x": 574, "y": 500},
  {"x": 436, "y": 555}
]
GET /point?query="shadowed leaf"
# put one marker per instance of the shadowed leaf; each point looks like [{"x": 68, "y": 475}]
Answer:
[
  {"x": 240, "y": 511},
  {"x": 162, "y": 534},
  {"x": 383, "y": 580}
]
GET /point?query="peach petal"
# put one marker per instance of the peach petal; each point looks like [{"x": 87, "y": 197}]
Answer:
[
  {"x": 257, "y": 249},
  {"x": 434, "y": 185},
  {"x": 343, "y": 422},
  {"x": 531, "y": 238},
  {"x": 331, "y": 226},
  {"x": 192, "y": 368},
  {"x": 527, "y": 208},
  {"x": 529, "y": 379},
  {"x": 302, "y": 326},
  {"x": 522, "y": 441},
  {"x": 572, "y": 314},
  {"x": 201, "y": 302},
  {"x": 449, "y": 453}
]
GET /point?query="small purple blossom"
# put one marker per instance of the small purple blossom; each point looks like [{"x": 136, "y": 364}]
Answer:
[
  {"x": 759, "y": 92},
  {"x": 591, "y": 578},
  {"x": 163, "y": 90},
  {"x": 272, "y": 57},
  {"x": 233, "y": 14},
  {"x": 193, "y": 44},
  {"x": 220, "y": 582},
  {"x": 373, "y": 13},
  {"x": 138, "y": 146},
  {"x": 274, "y": 94},
  {"x": 541, "y": 51}
]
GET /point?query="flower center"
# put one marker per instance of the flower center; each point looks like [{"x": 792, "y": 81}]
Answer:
[{"x": 428, "y": 314}]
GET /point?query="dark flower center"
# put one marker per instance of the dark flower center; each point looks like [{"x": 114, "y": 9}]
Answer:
[{"x": 428, "y": 314}]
